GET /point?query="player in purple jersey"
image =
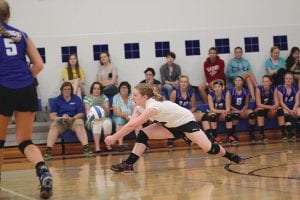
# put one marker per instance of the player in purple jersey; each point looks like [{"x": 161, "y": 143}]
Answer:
[
  {"x": 219, "y": 106},
  {"x": 18, "y": 94},
  {"x": 267, "y": 105},
  {"x": 239, "y": 107},
  {"x": 289, "y": 101},
  {"x": 185, "y": 97}
]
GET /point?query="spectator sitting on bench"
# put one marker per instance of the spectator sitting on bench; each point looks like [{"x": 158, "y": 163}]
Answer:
[
  {"x": 185, "y": 97},
  {"x": 123, "y": 108},
  {"x": 97, "y": 97},
  {"x": 239, "y": 108},
  {"x": 67, "y": 113},
  {"x": 267, "y": 103},
  {"x": 219, "y": 107},
  {"x": 289, "y": 101},
  {"x": 213, "y": 70}
]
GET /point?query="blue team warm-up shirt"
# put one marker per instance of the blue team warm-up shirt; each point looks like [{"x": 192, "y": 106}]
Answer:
[
  {"x": 184, "y": 102},
  {"x": 267, "y": 99},
  {"x": 72, "y": 107},
  {"x": 288, "y": 99},
  {"x": 14, "y": 70},
  {"x": 220, "y": 105},
  {"x": 238, "y": 101}
]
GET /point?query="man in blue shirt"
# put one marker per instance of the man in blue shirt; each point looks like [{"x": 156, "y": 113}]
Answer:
[{"x": 67, "y": 113}]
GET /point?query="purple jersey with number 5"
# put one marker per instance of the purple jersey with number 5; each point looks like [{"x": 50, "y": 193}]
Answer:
[{"x": 14, "y": 70}]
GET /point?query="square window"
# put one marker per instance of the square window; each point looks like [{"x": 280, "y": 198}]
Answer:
[
  {"x": 132, "y": 50},
  {"x": 222, "y": 45},
  {"x": 192, "y": 47},
  {"x": 66, "y": 51},
  {"x": 42, "y": 53},
  {"x": 97, "y": 49},
  {"x": 281, "y": 41},
  {"x": 162, "y": 48},
  {"x": 251, "y": 44}
]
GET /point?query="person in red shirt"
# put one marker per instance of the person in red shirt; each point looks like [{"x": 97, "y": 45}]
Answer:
[{"x": 214, "y": 70}]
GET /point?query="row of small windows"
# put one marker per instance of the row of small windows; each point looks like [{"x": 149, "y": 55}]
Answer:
[{"x": 192, "y": 47}]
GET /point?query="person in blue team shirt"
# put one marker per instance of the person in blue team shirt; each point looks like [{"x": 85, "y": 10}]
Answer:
[
  {"x": 185, "y": 97},
  {"x": 239, "y": 107},
  {"x": 67, "y": 113},
  {"x": 267, "y": 105},
  {"x": 219, "y": 106},
  {"x": 18, "y": 94},
  {"x": 289, "y": 101},
  {"x": 239, "y": 66}
]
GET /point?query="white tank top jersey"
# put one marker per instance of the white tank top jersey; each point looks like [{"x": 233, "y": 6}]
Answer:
[{"x": 169, "y": 113}]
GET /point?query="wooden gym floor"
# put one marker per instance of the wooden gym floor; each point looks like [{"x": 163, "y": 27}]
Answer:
[{"x": 270, "y": 171}]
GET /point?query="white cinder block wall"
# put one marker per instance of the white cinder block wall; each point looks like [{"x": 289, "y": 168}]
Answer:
[{"x": 83, "y": 23}]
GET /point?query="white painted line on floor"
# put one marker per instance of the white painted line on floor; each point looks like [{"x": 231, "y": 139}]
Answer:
[{"x": 17, "y": 194}]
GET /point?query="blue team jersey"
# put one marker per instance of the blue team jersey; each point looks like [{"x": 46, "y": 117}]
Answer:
[
  {"x": 184, "y": 102},
  {"x": 14, "y": 70},
  {"x": 218, "y": 104},
  {"x": 267, "y": 99},
  {"x": 238, "y": 100},
  {"x": 288, "y": 99}
]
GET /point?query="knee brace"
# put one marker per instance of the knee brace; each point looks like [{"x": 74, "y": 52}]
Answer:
[
  {"x": 260, "y": 113},
  {"x": 215, "y": 149},
  {"x": 280, "y": 112},
  {"x": 252, "y": 115},
  {"x": 236, "y": 116},
  {"x": 24, "y": 144},
  {"x": 228, "y": 118},
  {"x": 205, "y": 117},
  {"x": 2, "y": 142},
  {"x": 213, "y": 118},
  {"x": 142, "y": 138}
]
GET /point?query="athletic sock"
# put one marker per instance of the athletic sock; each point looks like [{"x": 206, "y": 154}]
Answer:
[{"x": 132, "y": 158}]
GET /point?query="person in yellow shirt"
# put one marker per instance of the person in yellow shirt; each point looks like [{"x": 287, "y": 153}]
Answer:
[{"x": 74, "y": 74}]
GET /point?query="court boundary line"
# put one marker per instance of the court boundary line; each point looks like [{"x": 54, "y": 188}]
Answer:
[{"x": 17, "y": 194}]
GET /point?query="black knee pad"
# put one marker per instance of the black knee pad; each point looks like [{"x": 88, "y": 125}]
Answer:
[
  {"x": 215, "y": 149},
  {"x": 252, "y": 115},
  {"x": 205, "y": 117},
  {"x": 142, "y": 138},
  {"x": 2, "y": 142},
  {"x": 280, "y": 112},
  {"x": 236, "y": 116},
  {"x": 24, "y": 144},
  {"x": 213, "y": 118},
  {"x": 260, "y": 113},
  {"x": 228, "y": 118}
]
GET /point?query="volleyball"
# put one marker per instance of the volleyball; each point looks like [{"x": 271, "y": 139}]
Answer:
[{"x": 95, "y": 113}]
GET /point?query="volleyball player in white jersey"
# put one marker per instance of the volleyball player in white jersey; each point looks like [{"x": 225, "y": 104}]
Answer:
[{"x": 172, "y": 121}]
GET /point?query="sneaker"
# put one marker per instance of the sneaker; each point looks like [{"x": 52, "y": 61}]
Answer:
[
  {"x": 218, "y": 139},
  {"x": 87, "y": 151},
  {"x": 48, "y": 154},
  {"x": 294, "y": 138},
  {"x": 237, "y": 159},
  {"x": 232, "y": 140},
  {"x": 46, "y": 185},
  {"x": 122, "y": 167},
  {"x": 283, "y": 138}
]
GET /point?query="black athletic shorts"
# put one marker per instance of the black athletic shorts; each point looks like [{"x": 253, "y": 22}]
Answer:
[
  {"x": 23, "y": 100},
  {"x": 189, "y": 127}
]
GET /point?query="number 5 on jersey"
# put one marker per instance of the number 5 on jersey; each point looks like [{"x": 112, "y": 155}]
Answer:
[{"x": 10, "y": 46}]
